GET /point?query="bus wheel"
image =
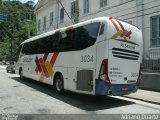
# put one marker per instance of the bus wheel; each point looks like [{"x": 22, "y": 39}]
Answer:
[
  {"x": 58, "y": 84},
  {"x": 21, "y": 74}
]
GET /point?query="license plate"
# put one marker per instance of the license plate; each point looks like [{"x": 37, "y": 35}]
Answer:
[{"x": 125, "y": 88}]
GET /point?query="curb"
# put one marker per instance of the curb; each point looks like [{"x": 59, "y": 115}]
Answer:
[{"x": 153, "y": 102}]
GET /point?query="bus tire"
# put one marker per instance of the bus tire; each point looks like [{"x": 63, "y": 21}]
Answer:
[
  {"x": 21, "y": 74},
  {"x": 58, "y": 84}
]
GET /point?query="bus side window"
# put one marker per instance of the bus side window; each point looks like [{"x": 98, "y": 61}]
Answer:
[
  {"x": 24, "y": 49},
  {"x": 57, "y": 36},
  {"x": 27, "y": 50},
  {"x": 48, "y": 44},
  {"x": 67, "y": 41},
  {"x": 55, "y": 39},
  {"x": 102, "y": 29},
  {"x": 86, "y": 35}
]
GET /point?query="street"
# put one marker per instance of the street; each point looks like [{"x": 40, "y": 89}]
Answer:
[{"x": 30, "y": 97}]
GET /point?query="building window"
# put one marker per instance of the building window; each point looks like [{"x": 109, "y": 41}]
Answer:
[
  {"x": 44, "y": 23},
  {"x": 39, "y": 25},
  {"x": 51, "y": 18},
  {"x": 86, "y": 6},
  {"x": 62, "y": 15},
  {"x": 103, "y": 3},
  {"x": 155, "y": 31},
  {"x": 73, "y": 9}
]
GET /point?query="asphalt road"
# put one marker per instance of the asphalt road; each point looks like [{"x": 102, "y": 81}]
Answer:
[{"x": 31, "y": 97}]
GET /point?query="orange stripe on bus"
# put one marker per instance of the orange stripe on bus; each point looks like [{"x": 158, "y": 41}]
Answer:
[
  {"x": 54, "y": 57},
  {"x": 44, "y": 67}
]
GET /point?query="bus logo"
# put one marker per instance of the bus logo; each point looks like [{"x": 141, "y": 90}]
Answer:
[
  {"x": 45, "y": 67},
  {"x": 123, "y": 33}
]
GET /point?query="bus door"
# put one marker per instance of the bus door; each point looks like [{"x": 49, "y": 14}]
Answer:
[
  {"x": 26, "y": 61},
  {"x": 27, "y": 65},
  {"x": 18, "y": 59}
]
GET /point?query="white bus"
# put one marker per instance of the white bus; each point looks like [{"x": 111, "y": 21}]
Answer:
[{"x": 101, "y": 56}]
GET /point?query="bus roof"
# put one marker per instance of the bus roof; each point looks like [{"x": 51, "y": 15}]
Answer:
[
  {"x": 99, "y": 19},
  {"x": 62, "y": 29}
]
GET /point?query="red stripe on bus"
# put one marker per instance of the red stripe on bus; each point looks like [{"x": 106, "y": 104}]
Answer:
[
  {"x": 128, "y": 34},
  {"x": 38, "y": 65},
  {"x": 44, "y": 58},
  {"x": 121, "y": 25},
  {"x": 69, "y": 28},
  {"x": 54, "y": 57},
  {"x": 110, "y": 17},
  {"x": 115, "y": 25},
  {"x": 44, "y": 67}
]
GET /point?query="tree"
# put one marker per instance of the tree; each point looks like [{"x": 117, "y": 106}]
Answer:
[
  {"x": 0, "y": 2},
  {"x": 15, "y": 30}
]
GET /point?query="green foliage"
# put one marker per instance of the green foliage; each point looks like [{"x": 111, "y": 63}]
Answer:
[
  {"x": 15, "y": 30},
  {"x": 0, "y": 2}
]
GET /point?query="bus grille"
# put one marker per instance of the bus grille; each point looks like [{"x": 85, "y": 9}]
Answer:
[{"x": 125, "y": 54}]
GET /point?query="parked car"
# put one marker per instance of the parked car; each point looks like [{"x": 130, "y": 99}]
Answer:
[
  {"x": 6, "y": 63},
  {"x": 11, "y": 68}
]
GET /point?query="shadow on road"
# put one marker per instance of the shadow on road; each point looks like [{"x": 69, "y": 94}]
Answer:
[{"x": 85, "y": 102}]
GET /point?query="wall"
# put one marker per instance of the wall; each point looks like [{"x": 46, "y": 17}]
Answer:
[
  {"x": 150, "y": 81},
  {"x": 50, "y": 6}
]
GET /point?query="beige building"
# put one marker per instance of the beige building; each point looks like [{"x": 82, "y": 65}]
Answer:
[{"x": 52, "y": 14}]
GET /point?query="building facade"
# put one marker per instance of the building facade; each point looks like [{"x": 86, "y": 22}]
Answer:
[{"x": 145, "y": 14}]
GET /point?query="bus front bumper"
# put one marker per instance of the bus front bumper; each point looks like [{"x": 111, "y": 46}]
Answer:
[{"x": 103, "y": 88}]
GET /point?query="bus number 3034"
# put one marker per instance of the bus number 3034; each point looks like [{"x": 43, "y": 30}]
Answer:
[{"x": 87, "y": 58}]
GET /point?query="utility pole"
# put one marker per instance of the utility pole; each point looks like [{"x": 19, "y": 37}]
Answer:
[
  {"x": 11, "y": 47},
  {"x": 29, "y": 21},
  {"x": 65, "y": 11},
  {"x": 76, "y": 20}
]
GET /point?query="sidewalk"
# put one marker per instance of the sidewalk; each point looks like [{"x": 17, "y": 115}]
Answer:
[
  {"x": 145, "y": 95},
  {"x": 3, "y": 66}
]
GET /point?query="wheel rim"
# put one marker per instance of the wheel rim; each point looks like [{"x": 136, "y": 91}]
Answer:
[{"x": 59, "y": 85}]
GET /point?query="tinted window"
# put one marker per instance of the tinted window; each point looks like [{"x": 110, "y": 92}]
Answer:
[
  {"x": 70, "y": 40},
  {"x": 67, "y": 41},
  {"x": 26, "y": 49},
  {"x": 86, "y": 35},
  {"x": 44, "y": 45},
  {"x": 30, "y": 48},
  {"x": 79, "y": 38},
  {"x": 102, "y": 29}
]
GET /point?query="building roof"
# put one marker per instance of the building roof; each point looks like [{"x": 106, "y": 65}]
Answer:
[{"x": 40, "y": 4}]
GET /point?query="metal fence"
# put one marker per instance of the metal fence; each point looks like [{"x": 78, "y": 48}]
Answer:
[{"x": 151, "y": 61}]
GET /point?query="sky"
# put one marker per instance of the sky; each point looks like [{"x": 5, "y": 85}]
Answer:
[{"x": 24, "y": 1}]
